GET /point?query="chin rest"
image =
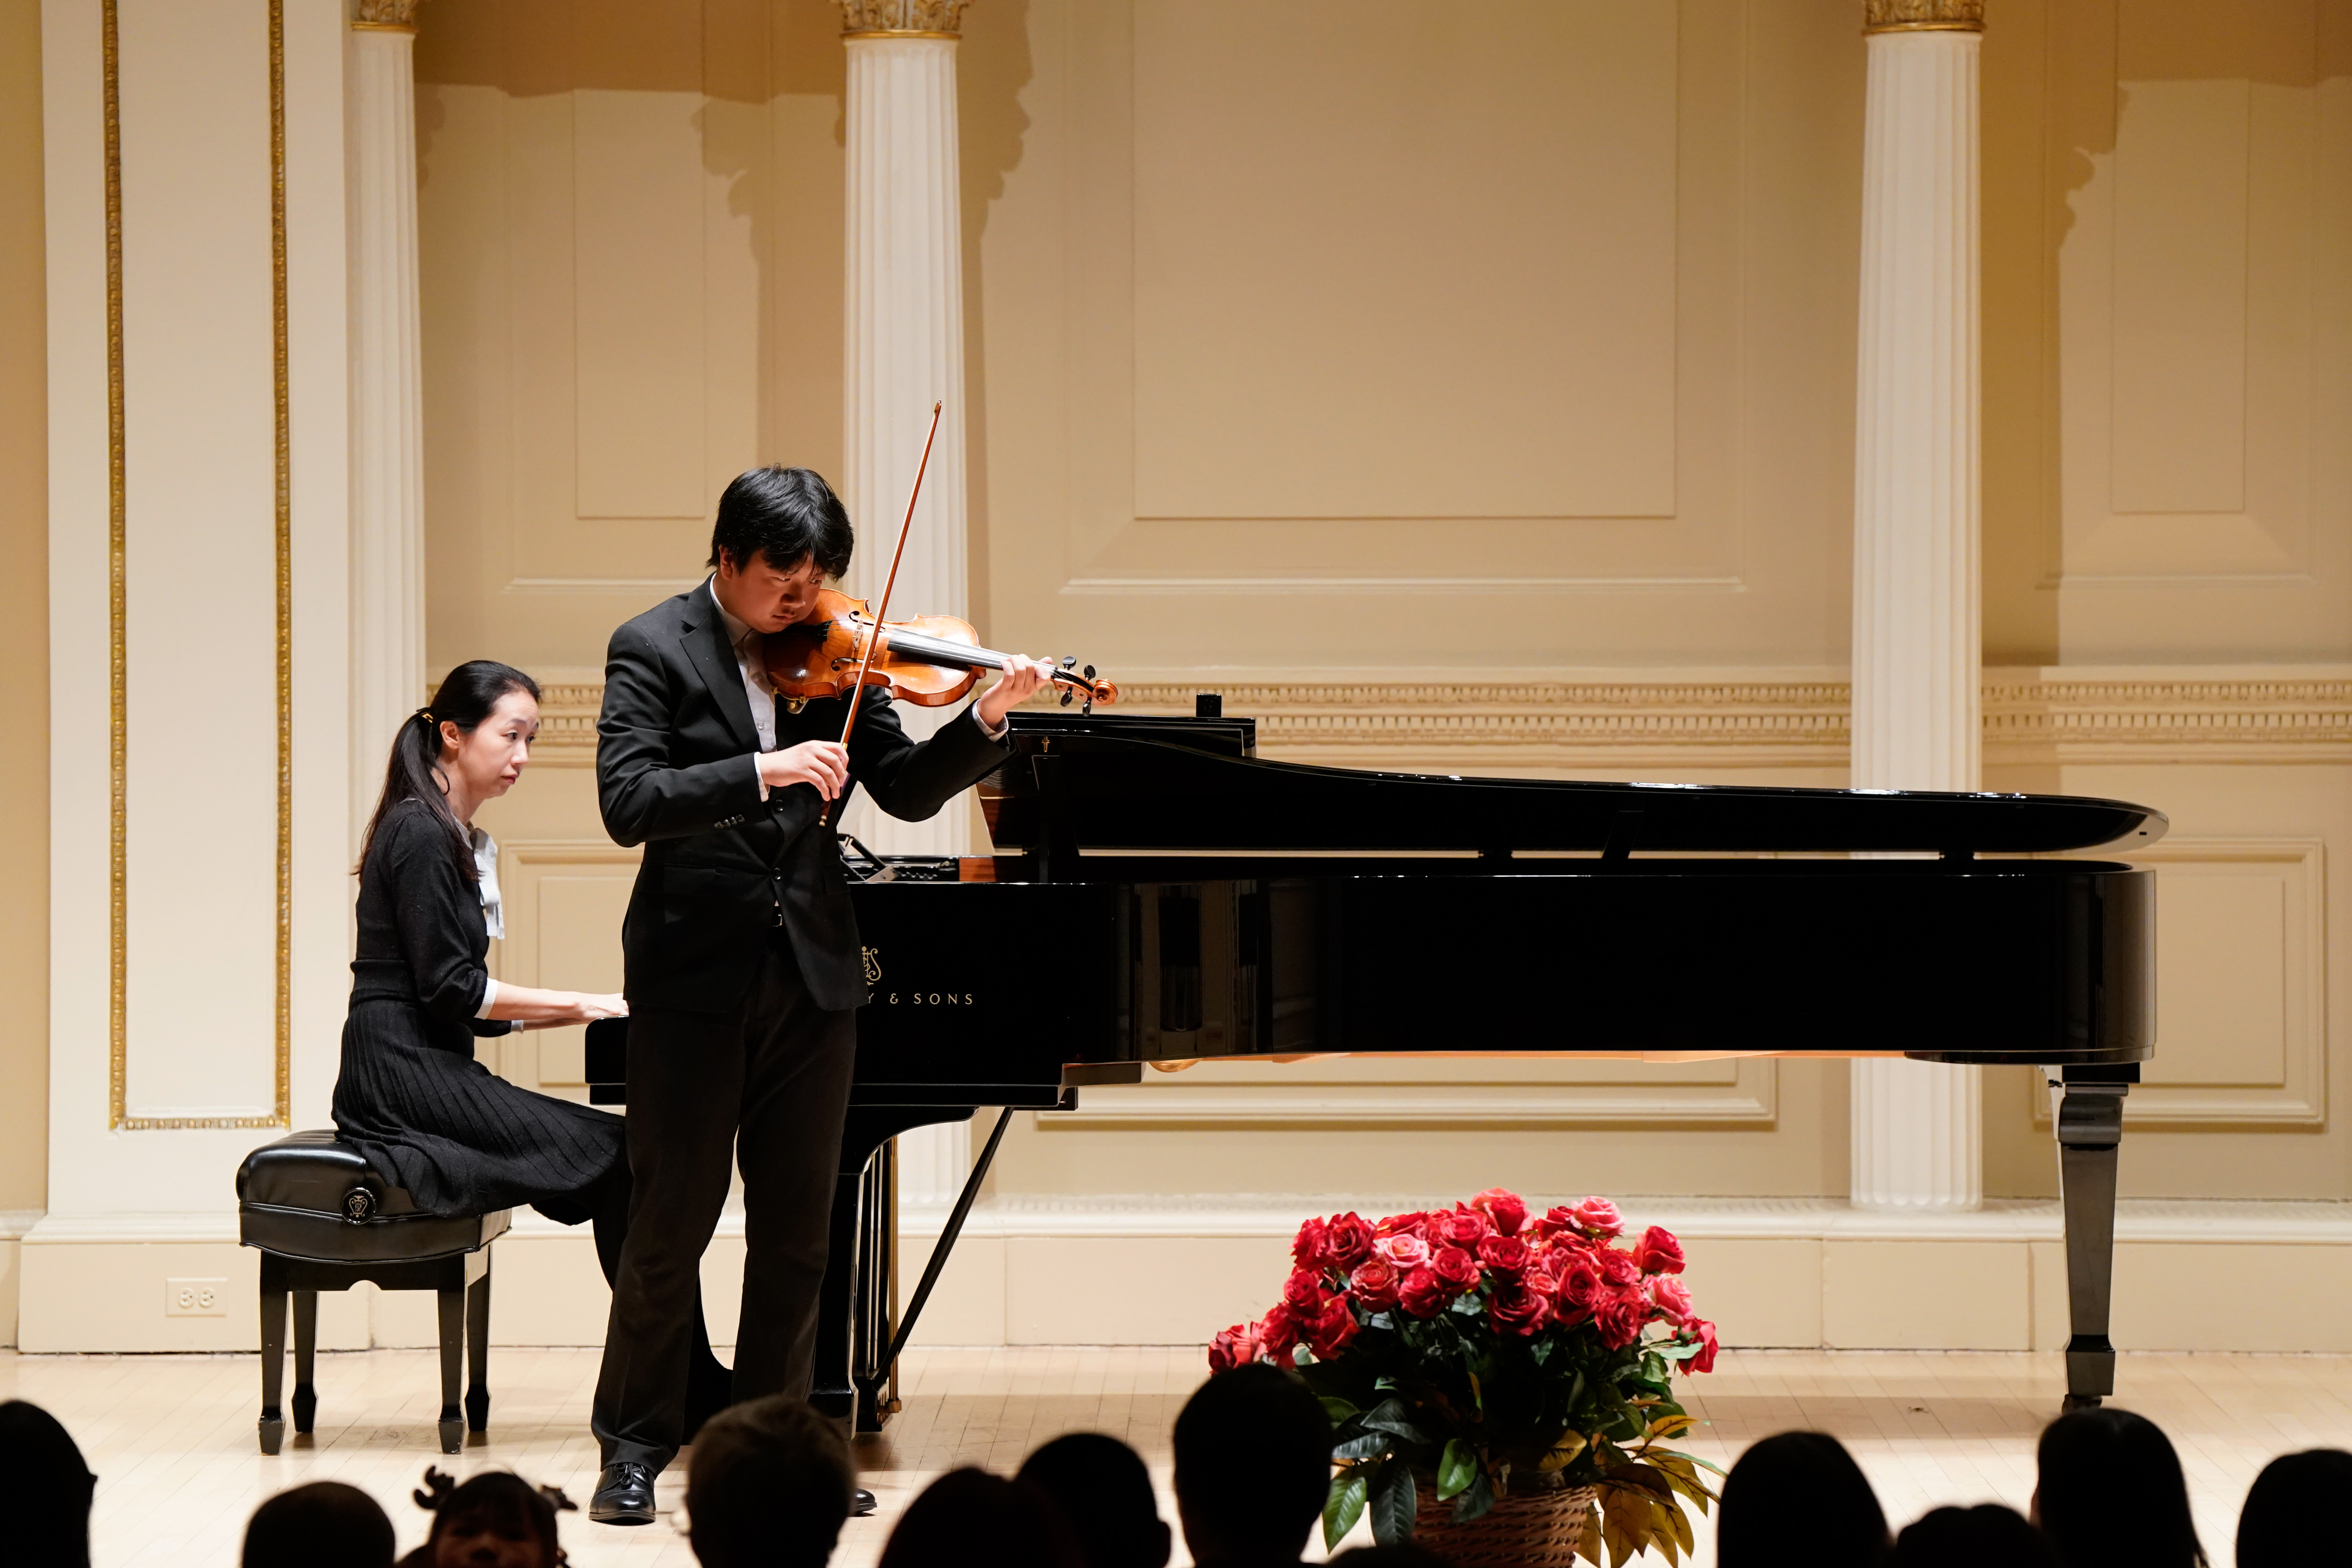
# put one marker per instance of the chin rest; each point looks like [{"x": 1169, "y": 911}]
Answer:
[{"x": 324, "y": 1219}]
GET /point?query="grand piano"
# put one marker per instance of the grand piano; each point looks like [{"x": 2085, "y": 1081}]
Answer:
[{"x": 1204, "y": 903}]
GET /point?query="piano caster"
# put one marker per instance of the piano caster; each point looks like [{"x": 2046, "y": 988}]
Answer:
[
  {"x": 273, "y": 1432},
  {"x": 453, "y": 1434}
]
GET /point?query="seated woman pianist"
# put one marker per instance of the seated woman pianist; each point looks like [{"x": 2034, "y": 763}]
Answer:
[{"x": 411, "y": 1096}]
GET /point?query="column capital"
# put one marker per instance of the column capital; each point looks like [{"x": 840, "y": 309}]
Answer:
[
  {"x": 1923, "y": 15},
  {"x": 384, "y": 16},
  {"x": 902, "y": 18}
]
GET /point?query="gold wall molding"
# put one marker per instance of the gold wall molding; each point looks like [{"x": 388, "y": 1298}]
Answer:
[
  {"x": 2030, "y": 716},
  {"x": 118, "y": 629},
  {"x": 1923, "y": 15},
  {"x": 386, "y": 15},
  {"x": 902, "y": 18}
]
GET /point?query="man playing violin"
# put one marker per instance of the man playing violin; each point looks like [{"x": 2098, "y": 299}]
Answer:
[{"x": 741, "y": 951}]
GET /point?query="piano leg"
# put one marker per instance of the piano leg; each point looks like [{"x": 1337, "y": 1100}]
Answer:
[
  {"x": 2090, "y": 1126},
  {"x": 855, "y": 1276}
]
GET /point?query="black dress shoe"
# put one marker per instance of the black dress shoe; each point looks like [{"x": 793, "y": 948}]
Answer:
[
  {"x": 625, "y": 1495},
  {"x": 861, "y": 1504}
]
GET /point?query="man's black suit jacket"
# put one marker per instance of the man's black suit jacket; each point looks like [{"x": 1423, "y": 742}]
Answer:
[{"x": 675, "y": 771}]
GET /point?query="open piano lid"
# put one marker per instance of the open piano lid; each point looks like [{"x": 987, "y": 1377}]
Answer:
[{"x": 1145, "y": 784}]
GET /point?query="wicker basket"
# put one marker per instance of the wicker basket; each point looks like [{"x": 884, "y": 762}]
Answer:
[{"x": 1529, "y": 1526}]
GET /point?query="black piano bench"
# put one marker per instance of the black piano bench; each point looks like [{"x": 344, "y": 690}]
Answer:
[{"x": 324, "y": 1219}]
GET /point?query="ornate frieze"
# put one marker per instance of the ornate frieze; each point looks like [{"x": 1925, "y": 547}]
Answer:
[
  {"x": 386, "y": 15},
  {"x": 1923, "y": 15},
  {"x": 902, "y": 18}
]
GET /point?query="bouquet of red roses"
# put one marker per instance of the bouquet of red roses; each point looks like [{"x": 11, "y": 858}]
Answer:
[{"x": 1477, "y": 1344}]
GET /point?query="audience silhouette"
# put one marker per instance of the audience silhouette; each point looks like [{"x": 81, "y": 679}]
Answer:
[
  {"x": 322, "y": 1521},
  {"x": 2110, "y": 1493},
  {"x": 2289, "y": 1518},
  {"x": 496, "y": 1519},
  {"x": 1399, "y": 1555},
  {"x": 1971, "y": 1538},
  {"x": 42, "y": 1466},
  {"x": 769, "y": 1487},
  {"x": 970, "y": 1518},
  {"x": 1800, "y": 1499},
  {"x": 1253, "y": 1467},
  {"x": 1104, "y": 1491}
]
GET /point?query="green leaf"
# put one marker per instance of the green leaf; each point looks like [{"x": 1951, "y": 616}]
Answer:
[
  {"x": 1390, "y": 1415},
  {"x": 1476, "y": 1498},
  {"x": 1364, "y": 1446},
  {"x": 1339, "y": 1410},
  {"x": 1454, "y": 1469},
  {"x": 1344, "y": 1506},
  {"x": 1393, "y": 1504}
]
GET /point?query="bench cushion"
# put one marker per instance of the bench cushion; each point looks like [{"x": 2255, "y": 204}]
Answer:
[{"x": 310, "y": 1195}]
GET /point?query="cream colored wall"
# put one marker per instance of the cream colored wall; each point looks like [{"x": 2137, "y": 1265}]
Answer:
[{"x": 1472, "y": 393}]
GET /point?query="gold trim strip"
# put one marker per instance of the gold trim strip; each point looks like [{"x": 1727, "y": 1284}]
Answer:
[
  {"x": 118, "y": 824},
  {"x": 1924, "y": 27},
  {"x": 118, "y": 622},
  {"x": 384, "y": 28},
  {"x": 901, "y": 33}
]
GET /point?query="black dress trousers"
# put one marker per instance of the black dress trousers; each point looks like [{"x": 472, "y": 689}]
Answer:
[{"x": 768, "y": 1082}]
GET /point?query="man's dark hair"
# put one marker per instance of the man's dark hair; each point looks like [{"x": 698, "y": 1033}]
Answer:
[
  {"x": 323, "y": 1522},
  {"x": 976, "y": 1519},
  {"x": 45, "y": 1469},
  {"x": 2290, "y": 1515},
  {"x": 1797, "y": 1498},
  {"x": 785, "y": 514},
  {"x": 1253, "y": 1465},
  {"x": 2109, "y": 1493},
  {"x": 769, "y": 1487},
  {"x": 1103, "y": 1489}
]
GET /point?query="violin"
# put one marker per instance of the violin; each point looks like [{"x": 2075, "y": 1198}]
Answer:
[{"x": 928, "y": 661}]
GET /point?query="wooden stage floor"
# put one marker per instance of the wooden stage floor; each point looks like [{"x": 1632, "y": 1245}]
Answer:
[{"x": 171, "y": 1436}]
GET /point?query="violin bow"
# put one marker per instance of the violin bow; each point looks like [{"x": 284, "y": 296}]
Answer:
[{"x": 874, "y": 633}]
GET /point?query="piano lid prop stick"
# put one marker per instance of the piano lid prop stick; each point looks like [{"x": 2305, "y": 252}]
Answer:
[{"x": 882, "y": 610}]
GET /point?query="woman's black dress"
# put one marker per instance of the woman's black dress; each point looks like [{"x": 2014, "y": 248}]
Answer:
[{"x": 412, "y": 1098}]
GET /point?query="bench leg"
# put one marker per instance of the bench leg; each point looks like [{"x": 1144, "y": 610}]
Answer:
[
  {"x": 2090, "y": 1133},
  {"x": 478, "y": 1352},
  {"x": 453, "y": 1356},
  {"x": 273, "y": 1352},
  {"x": 306, "y": 1356}
]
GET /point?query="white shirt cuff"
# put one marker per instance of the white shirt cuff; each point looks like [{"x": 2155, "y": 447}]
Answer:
[
  {"x": 489, "y": 994},
  {"x": 998, "y": 733}
]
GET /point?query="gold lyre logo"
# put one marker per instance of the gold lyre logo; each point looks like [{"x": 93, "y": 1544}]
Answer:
[{"x": 873, "y": 957}]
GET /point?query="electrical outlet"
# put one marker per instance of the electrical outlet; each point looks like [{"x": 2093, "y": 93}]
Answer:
[{"x": 196, "y": 1297}]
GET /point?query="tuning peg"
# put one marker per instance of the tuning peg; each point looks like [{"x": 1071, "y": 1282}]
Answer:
[
  {"x": 1070, "y": 661},
  {"x": 1065, "y": 699},
  {"x": 1089, "y": 672}
]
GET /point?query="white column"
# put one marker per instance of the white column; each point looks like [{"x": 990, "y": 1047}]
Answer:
[
  {"x": 1916, "y": 1141},
  {"x": 904, "y": 339},
  {"x": 387, "y": 461}
]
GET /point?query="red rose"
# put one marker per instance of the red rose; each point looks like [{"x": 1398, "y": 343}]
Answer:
[
  {"x": 1617, "y": 1268},
  {"x": 1375, "y": 1283},
  {"x": 1506, "y": 1254},
  {"x": 1236, "y": 1346},
  {"x": 1703, "y": 1333},
  {"x": 1557, "y": 1221},
  {"x": 1400, "y": 1225},
  {"x": 1658, "y": 1252},
  {"x": 1463, "y": 1228},
  {"x": 1421, "y": 1295},
  {"x": 1329, "y": 1330},
  {"x": 1404, "y": 1253},
  {"x": 1508, "y": 1210},
  {"x": 1455, "y": 1269},
  {"x": 1303, "y": 1293},
  {"x": 1673, "y": 1298},
  {"x": 1620, "y": 1316},
  {"x": 1518, "y": 1310},
  {"x": 1307, "y": 1251},
  {"x": 1277, "y": 1334},
  {"x": 1580, "y": 1290},
  {"x": 1542, "y": 1276},
  {"x": 1596, "y": 1216},
  {"x": 1347, "y": 1241}
]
